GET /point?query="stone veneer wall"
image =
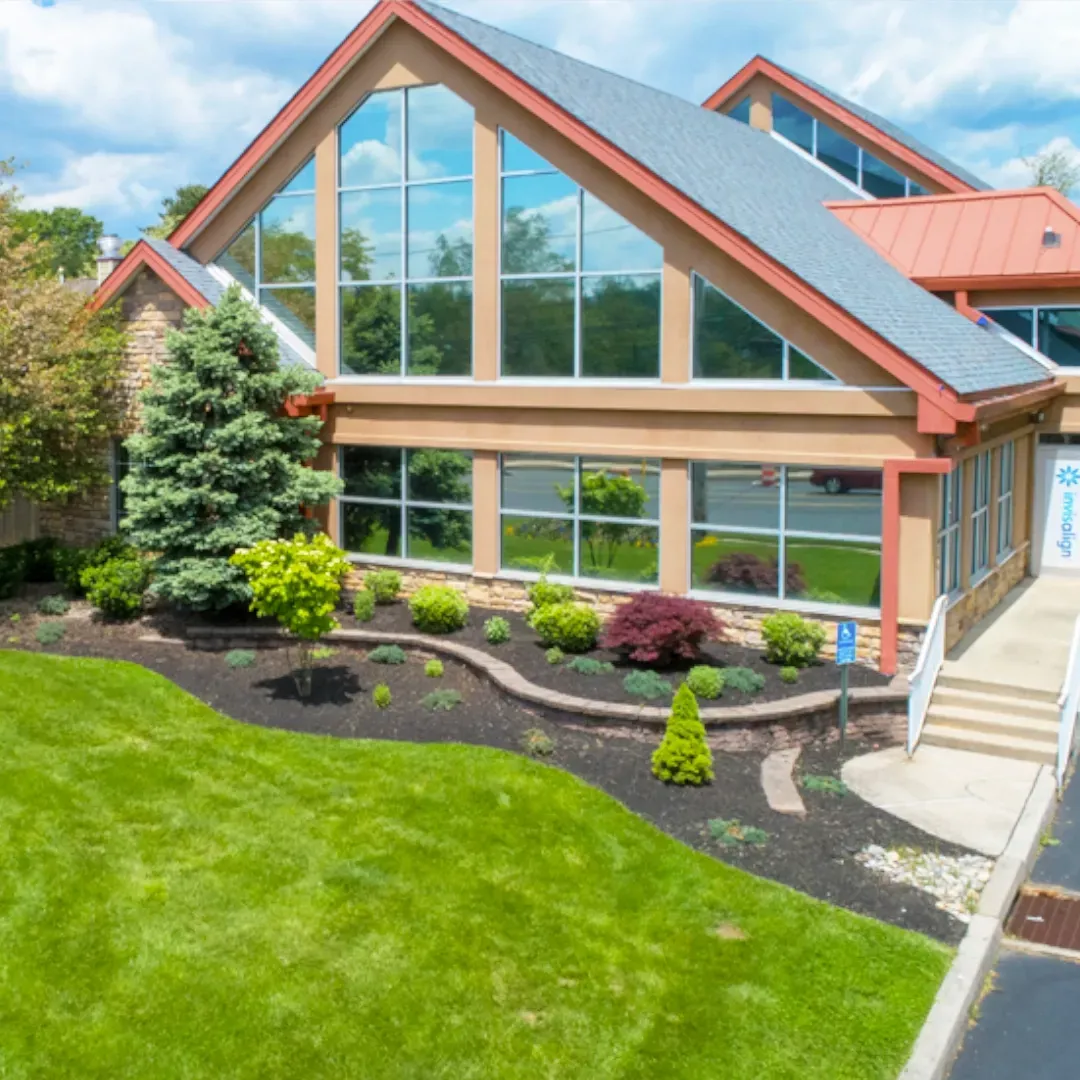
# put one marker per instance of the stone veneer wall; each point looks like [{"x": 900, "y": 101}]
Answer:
[
  {"x": 988, "y": 592},
  {"x": 743, "y": 623},
  {"x": 149, "y": 308}
]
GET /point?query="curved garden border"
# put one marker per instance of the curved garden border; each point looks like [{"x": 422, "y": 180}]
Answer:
[{"x": 509, "y": 679}]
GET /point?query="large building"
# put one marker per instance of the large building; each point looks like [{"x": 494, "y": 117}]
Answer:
[{"x": 770, "y": 350}]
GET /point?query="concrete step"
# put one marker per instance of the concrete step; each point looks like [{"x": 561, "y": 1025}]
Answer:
[
  {"x": 979, "y": 742},
  {"x": 1001, "y": 704},
  {"x": 1020, "y": 727},
  {"x": 987, "y": 686}
]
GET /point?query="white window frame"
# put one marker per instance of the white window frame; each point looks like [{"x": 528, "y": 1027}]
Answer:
[
  {"x": 950, "y": 507},
  {"x": 1033, "y": 342},
  {"x": 1006, "y": 484},
  {"x": 980, "y": 515}
]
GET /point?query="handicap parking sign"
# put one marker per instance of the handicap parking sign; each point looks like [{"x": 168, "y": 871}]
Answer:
[{"x": 846, "y": 633}]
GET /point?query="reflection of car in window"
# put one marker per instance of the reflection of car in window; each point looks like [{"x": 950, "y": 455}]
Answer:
[{"x": 837, "y": 481}]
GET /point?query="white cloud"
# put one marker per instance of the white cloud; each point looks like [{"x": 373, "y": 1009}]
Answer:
[
  {"x": 103, "y": 182},
  {"x": 1015, "y": 172}
]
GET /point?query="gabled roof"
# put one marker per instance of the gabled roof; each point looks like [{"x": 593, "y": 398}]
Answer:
[
  {"x": 873, "y": 127},
  {"x": 984, "y": 240}
]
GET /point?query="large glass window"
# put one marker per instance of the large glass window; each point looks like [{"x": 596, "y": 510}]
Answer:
[
  {"x": 406, "y": 234},
  {"x": 980, "y": 515},
  {"x": 952, "y": 489},
  {"x": 1006, "y": 482},
  {"x": 729, "y": 343},
  {"x": 1055, "y": 332},
  {"x": 787, "y": 532},
  {"x": 406, "y": 504},
  {"x": 580, "y": 284},
  {"x": 273, "y": 257},
  {"x": 581, "y": 516}
]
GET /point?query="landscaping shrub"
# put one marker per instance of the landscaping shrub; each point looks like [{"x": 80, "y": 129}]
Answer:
[
  {"x": 538, "y": 743},
  {"x": 38, "y": 559},
  {"x": 387, "y": 654},
  {"x": 743, "y": 679},
  {"x": 49, "y": 633},
  {"x": 441, "y": 700},
  {"x": 646, "y": 684},
  {"x": 742, "y": 571},
  {"x": 381, "y": 696},
  {"x": 683, "y": 757},
  {"x": 555, "y": 655},
  {"x": 323, "y": 652},
  {"x": 732, "y": 832},
  {"x": 116, "y": 587},
  {"x": 586, "y": 665},
  {"x": 789, "y": 675},
  {"x": 791, "y": 640},
  {"x": 571, "y": 627},
  {"x": 69, "y": 563},
  {"x": 496, "y": 630},
  {"x": 240, "y": 658},
  {"x": 433, "y": 669},
  {"x": 705, "y": 682},
  {"x": 655, "y": 629},
  {"x": 438, "y": 609},
  {"x": 12, "y": 570},
  {"x": 828, "y": 784},
  {"x": 543, "y": 593},
  {"x": 384, "y": 585},
  {"x": 53, "y": 605},
  {"x": 363, "y": 605}
]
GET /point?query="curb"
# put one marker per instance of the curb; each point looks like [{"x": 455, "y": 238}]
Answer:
[
  {"x": 510, "y": 680},
  {"x": 945, "y": 1025}
]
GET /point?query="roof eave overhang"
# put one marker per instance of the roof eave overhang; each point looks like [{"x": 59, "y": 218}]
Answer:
[
  {"x": 140, "y": 256},
  {"x": 998, "y": 282}
]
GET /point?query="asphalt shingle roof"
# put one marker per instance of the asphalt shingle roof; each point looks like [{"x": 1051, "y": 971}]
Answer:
[{"x": 770, "y": 195}]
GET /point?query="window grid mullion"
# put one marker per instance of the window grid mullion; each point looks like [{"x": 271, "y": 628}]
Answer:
[
  {"x": 404, "y": 526},
  {"x": 781, "y": 576}
]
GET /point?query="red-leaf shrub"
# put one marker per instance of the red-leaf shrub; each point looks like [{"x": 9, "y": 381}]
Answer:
[
  {"x": 654, "y": 628},
  {"x": 743, "y": 572}
]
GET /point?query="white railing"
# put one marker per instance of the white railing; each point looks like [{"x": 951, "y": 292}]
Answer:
[
  {"x": 1068, "y": 703},
  {"x": 923, "y": 678}
]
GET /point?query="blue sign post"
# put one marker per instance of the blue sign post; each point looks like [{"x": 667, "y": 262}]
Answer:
[{"x": 847, "y": 634}]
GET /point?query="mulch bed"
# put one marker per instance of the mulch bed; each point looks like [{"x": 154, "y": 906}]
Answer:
[
  {"x": 814, "y": 855},
  {"x": 525, "y": 653}
]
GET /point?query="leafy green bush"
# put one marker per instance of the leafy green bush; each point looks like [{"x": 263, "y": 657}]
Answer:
[
  {"x": 12, "y": 570},
  {"x": 538, "y": 743},
  {"x": 116, "y": 587},
  {"x": 828, "y": 784},
  {"x": 743, "y": 679},
  {"x": 683, "y": 757},
  {"x": 38, "y": 559},
  {"x": 438, "y": 609},
  {"x": 69, "y": 563},
  {"x": 323, "y": 652},
  {"x": 791, "y": 640},
  {"x": 705, "y": 682},
  {"x": 555, "y": 655},
  {"x": 49, "y": 633},
  {"x": 496, "y": 630},
  {"x": 433, "y": 669},
  {"x": 789, "y": 675},
  {"x": 732, "y": 833},
  {"x": 384, "y": 585},
  {"x": 646, "y": 684},
  {"x": 381, "y": 696},
  {"x": 586, "y": 665},
  {"x": 53, "y": 605},
  {"x": 572, "y": 627},
  {"x": 363, "y": 605},
  {"x": 544, "y": 593},
  {"x": 441, "y": 700},
  {"x": 240, "y": 658},
  {"x": 387, "y": 654}
]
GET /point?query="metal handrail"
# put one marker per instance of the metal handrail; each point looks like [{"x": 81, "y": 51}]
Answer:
[
  {"x": 1068, "y": 703},
  {"x": 924, "y": 677}
]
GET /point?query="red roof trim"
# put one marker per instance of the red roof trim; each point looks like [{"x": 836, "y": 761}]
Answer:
[
  {"x": 142, "y": 254},
  {"x": 760, "y": 66}
]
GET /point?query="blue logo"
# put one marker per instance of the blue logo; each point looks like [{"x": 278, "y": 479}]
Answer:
[{"x": 1069, "y": 476}]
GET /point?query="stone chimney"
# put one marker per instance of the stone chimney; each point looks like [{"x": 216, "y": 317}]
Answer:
[{"x": 110, "y": 257}]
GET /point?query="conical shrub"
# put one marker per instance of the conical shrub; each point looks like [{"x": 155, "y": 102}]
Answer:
[{"x": 684, "y": 756}]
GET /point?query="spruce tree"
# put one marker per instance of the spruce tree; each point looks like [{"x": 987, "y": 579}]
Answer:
[
  {"x": 218, "y": 466},
  {"x": 683, "y": 757}
]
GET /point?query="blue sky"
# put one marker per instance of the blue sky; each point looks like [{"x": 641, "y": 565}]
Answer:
[{"x": 111, "y": 104}]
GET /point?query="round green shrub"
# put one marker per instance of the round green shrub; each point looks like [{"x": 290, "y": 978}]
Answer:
[
  {"x": 441, "y": 700},
  {"x": 496, "y": 630},
  {"x": 240, "y": 658},
  {"x": 572, "y": 627},
  {"x": 743, "y": 679},
  {"x": 363, "y": 605},
  {"x": 586, "y": 665},
  {"x": 683, "y": 757},
  {"x": 387, "y": 654},
  {"x": 705, "y": 682},
  {"x": 53, "y": 605},
  {"x": 116, "y": 587},
  {"x": 646, "y": 684},
  {"x": 69, "y": 564},
  {"x": 433, "y": 669},
  {"x": 789, "y": 675},
  {"x": 381, "y": 696},
  {"x": 38, "y": 559},
  {"x": 438, "y": 609},
  {"x": 555, "y": 655},
  {"x": 791, "y": 640},
  {"x": 49, "y": 633},
  {"x": 544, "y": 593},
  {"x": 537, "y": 742},
  {"x": 384, "y": 585}
]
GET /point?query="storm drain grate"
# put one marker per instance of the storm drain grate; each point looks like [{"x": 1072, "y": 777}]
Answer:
[{"x": 1046, "y": 918}]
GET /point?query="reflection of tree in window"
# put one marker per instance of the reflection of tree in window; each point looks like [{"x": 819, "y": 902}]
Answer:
[
  {"x": 527, "y": 244},
  {"x": 608, "y": 494},
  {"x": 288, "y": 255}
]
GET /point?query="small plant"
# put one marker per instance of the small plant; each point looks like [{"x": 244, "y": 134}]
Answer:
[
  {"x": 363, "y": 605},
  {"x": 240, "y": 658},
  {"x": 544, "y": 593},
  {"x": 743, "y": 679},
  {"x": 384, "y": 585},
  {"x": 70, "y": 563},
  {"x": 496, "y": 630},
  {"x": 387, "y": 654},
  {"x": 683, "y": 757},
  {"x": 49, "y": 633},
  {"x": 323, "y": 652},
  {"x": 15, "y": 617},
  {"x": 705, "y": 682},
  {"x": 655, "y": 629},
  {"x": 538, "y": 743},
  {"x": 554, "y": 655},
  {"x": 572, "y": 627},
  {"x": 381, "y": 696},
  {"x": 791, "y": 640},
  {"x": 438, "y": 609},
  {"x": 53, "y": 605},
  {"x": 116, "y": 587},
  {"x": 732, "y": 833},
  {"x": 827, "y": 784},
  {"x": 441, "y": 700},
  {"x": 585, "y": 665},
  {"x": 647, "y": 684},
  {"x": 433, "y": 669},
  {"x": 789, "y": 675}
]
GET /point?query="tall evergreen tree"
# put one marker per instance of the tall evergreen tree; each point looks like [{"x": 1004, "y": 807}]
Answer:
[{"x": 219, "y": 466}]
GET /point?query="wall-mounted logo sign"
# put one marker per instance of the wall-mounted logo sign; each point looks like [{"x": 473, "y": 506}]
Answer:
[{"x": 1060, "y": 477}]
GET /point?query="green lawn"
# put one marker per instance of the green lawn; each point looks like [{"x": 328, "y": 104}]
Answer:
[{"x": 184, "y": 896}]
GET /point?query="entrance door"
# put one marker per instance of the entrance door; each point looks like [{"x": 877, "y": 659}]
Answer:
[{"x": 1056, "y": 532}]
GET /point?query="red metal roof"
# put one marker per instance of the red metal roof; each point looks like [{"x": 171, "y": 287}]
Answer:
[{"x": 986, "y": 239}]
